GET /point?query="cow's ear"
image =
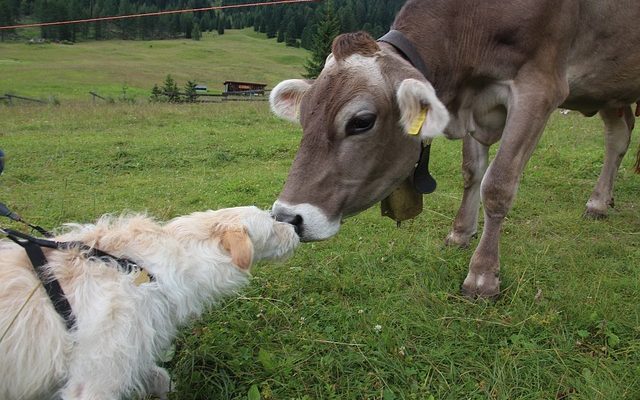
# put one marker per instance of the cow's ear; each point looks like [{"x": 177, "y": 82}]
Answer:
[
  {"x": 420, "y": 109},
  {"x": 286, "y": 96}
]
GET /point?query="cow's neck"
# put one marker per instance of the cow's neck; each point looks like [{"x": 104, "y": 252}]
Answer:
[
  {"x": 406, "y": 49},
  {"x": 426, "y": 27}
]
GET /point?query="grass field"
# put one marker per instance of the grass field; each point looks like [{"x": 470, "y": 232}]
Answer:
[
  {"x": 374, "y": 313},
  {"x": 69, "y": 72}
]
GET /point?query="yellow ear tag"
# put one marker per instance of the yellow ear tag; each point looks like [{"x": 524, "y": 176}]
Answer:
[
  {"x": 142, "y": 277},
  {"x": 417, "y": 123}
]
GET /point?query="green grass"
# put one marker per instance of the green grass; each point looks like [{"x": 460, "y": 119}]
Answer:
[
  {"x": 374, "y": 313},
  {"x": 69, "y": 72}
]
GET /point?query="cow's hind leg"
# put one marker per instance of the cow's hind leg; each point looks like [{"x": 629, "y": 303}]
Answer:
[
  {"x": 617, "y": 135},
  {"x": 474, "y": 165},
  {"x": 533, "y": 99}
]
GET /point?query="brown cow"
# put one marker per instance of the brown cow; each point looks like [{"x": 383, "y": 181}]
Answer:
[{"x": 499, "y": 69}]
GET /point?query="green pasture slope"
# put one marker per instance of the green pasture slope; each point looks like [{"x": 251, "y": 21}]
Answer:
[
  {"x": 69, "y": 72},
  {"x": 374, "y": 313}
]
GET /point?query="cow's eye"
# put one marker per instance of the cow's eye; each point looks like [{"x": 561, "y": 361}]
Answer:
[{"x": 360, "y": 123}]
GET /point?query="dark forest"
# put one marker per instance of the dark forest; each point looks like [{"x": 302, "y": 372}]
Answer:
[{"x": 291, "y": 23}]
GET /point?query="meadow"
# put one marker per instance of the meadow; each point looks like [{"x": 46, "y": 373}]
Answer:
[
  {"x": 373, "y": 313},
  {"x": 68, "y": 72}
]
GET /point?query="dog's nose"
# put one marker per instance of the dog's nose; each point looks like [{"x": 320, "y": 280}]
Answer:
[{"x": 292, "y": 219}]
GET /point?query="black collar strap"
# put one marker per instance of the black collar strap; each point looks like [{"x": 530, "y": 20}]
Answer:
[
  {"x": 406, "y": 48},
  {"x": 423, "y": 182}
]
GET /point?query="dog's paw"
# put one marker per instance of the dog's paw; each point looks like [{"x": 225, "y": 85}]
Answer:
[{"x": 160, "y": 384}]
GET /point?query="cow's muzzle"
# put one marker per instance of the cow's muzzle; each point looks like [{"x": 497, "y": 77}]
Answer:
[{"x": 309, "y": 221}]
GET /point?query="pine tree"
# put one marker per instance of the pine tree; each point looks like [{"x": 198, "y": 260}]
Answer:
[
  {"x": 328, "y": 29},
  {"x": 75, "y": 12},
  {"x": 205, "y": 23},
  {"x": 170, "y": 90},
  {"x": 271, "y": 25},
  {"x": 127, "y": 26},
  {"x": 190, "y": 92},
  {"x": 148, "y": 24},
  {"x": 221, "y": 24},
  {"x": 348, "y": 21},
  {"x": 195, "y": 33},
  {"x": 186, "y": 22},
  {"x": 156, "y": 94},
  {"x": 98, "y": 27},
  {"x": 290, "y": 35},
  {"x": 14, "y": 5},
  {"x": 174, "y": 26},
  {"x": 6, "y": 18},
  {"x": 306, "y": 40}
]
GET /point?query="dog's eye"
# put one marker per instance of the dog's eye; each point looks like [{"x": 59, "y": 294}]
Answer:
[{"x": 360, "y": 123}]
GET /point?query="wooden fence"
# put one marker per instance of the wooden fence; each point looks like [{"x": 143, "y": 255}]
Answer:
[
  {"x": 229, "y": 96},
  {"x": 248, "y": 95},
  {"x": 10, "y": 98}
]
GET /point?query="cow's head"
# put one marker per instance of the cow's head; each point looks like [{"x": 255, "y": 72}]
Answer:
[{"x": 356, "y": 145}]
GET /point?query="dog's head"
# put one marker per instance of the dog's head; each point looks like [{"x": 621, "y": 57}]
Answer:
[{"x": 247, "y": 234}]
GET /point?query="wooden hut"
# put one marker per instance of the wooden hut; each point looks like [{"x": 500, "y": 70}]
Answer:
[{"x": 243, "y": 88}]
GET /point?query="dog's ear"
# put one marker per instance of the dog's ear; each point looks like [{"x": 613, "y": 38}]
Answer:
[{"x": 238, "y": 244}]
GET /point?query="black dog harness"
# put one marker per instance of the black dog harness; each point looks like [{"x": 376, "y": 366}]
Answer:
[
  {"x": 33, "y": 247},
  {"x": 423, "y": 181}
]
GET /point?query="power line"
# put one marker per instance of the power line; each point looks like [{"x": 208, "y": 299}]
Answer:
[{"x": 157, "y": 13}]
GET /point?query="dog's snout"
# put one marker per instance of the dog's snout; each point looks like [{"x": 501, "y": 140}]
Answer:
[{"x": 295, "y": 220}]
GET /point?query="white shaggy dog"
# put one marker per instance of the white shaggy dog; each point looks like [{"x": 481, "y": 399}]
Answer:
[{"x": 122, "y": 327}]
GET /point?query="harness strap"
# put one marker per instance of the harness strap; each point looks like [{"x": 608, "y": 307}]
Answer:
[{"x": 51, "y": 285}]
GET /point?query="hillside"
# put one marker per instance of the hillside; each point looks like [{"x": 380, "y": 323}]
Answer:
[{"x": 69, "y": 72}]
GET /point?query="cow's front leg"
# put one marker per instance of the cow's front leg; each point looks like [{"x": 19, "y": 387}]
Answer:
[
  {"x": 474, "y": 165},
  {"x": 529, "y": 108},
  {"x": 617, "y": 135}
]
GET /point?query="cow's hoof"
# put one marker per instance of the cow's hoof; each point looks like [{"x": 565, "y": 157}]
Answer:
[
  {"x": 481, "y": 286},
  {"x": 598, "y": 208},
  {"x": 454, "y": 239},
  {"x": 596, "y": 214}
]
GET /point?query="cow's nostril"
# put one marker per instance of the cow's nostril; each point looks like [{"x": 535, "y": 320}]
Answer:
[{"x": 295, "y": 220}]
